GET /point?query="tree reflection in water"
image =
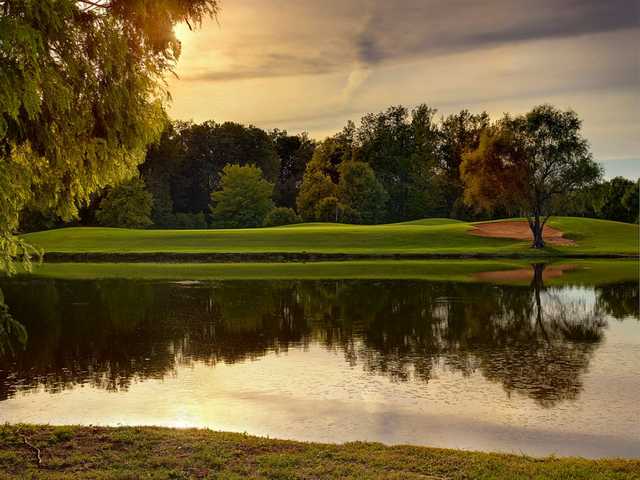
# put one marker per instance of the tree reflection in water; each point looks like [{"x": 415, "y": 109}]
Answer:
[{"x": 533, "y": 340}]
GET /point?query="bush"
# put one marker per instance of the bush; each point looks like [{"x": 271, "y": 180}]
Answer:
[
  {"x": 329, "y": 209},
  {"x": 126, "y": 206},
  {"x": 281, "y": 216},
  {"x": 187, "y": 221}
]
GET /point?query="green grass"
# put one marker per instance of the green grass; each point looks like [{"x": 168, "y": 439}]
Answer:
[
  {"x": 590, "y": 272},
  {"x": 431, "y": 236},
  {"x": 131, "y": 453},
  {"x": 459, "y": 270}
]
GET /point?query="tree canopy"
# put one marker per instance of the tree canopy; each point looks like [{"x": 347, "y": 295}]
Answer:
[
  {"x": 81, "y": 96},
  {"x": 530, "y": 164},
  {"x": 244, "y": 198},
  {"x": 361, "y": 193},
  {"x": 126, "y": 206}
]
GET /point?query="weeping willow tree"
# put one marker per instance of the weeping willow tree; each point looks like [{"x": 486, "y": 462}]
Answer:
[{"x": 81, "y": 96}]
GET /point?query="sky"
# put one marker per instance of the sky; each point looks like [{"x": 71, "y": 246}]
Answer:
[{"x": 310, "y": 65}]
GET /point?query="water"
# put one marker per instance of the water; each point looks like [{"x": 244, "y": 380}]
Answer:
[{"x": 539, "y": 370}]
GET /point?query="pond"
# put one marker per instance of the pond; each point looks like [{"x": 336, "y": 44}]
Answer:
[{"x": 526, "y": 367}]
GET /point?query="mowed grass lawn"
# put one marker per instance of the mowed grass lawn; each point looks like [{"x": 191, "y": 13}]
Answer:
[
  {"x": 431, "y": 236},
  {"x": 131, "y": 453}
]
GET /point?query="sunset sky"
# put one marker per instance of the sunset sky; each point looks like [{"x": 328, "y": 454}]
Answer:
[{"x": 308, "y": 65}]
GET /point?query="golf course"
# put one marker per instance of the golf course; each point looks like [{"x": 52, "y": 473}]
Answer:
[{"x": 430, "y": 237}]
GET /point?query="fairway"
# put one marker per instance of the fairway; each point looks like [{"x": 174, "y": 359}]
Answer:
[{"x": 433, "y": 236}]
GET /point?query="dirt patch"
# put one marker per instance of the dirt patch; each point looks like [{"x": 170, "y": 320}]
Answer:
[
  {"x": 524, "y": 274},
  {"x": 519, "y": 230}
]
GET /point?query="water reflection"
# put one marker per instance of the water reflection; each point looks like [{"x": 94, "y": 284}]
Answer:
[{"x": 532, "y": 340}]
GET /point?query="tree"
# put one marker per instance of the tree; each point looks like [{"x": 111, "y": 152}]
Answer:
[
  {"x": 362, "y": 193},
  {"x": 163, "y": 162},
  {"x": 316, "y": 186},
  {"x": 81, "y": 95},
  {"x": 295, "y": 151},
  {"x": 205, "y": 150},
  {"x": 631, "y": 201},
  {"x": 244, "y": 198},
  {"x": 281, "y": 216},
  {"x": 126, "y": 206},
  {"x": 611, "y": 203},
  {"x": 530, "y": 163},
  {"x": 401, "y": 148},
  {"x": 458, "y": 133}
]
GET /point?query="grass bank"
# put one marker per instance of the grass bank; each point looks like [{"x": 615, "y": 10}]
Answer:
[
  {"x": 425, "y": 237},
  {"x": 574, "y": 272},
  {"x": 126, "y": 453}
]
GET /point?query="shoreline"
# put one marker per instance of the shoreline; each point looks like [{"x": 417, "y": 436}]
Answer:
[
  {"x": 303, "y": 257},
  {"x": 39, "y": 451}
]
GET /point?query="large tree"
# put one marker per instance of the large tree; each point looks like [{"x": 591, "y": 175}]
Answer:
[
  {"x": 529, "y": 164},
  {"x": 401, "y": 148},
  {"x": 81, "y": 95}
]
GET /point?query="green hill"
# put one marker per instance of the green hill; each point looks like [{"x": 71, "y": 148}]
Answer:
[{"x": 431, "y": 236}]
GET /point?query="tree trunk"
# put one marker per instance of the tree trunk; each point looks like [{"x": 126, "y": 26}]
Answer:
[{"x": 536, "y": 229}]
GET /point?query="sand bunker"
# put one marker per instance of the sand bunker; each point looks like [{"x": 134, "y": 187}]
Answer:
[{"x": 518, "y": 230}]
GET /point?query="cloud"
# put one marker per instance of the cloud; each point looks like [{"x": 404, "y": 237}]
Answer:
[
  {"x": 273, "y": 39},
  {"x": 309, "y": 65}
]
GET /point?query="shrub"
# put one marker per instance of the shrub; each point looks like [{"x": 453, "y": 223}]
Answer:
[
  {"x": 329, "y": 209},
  {"x": 189, "y": 221},
  {"x": 281, "y": 216}
]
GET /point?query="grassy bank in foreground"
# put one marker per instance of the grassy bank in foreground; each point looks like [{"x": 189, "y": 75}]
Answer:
[
  {"x": 580, "y": 272},
  {"x": 431, "y": 236},
  {"x": 119, "y": 453}
]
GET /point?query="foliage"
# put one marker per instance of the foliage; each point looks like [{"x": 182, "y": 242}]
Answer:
[
  {"x": 294, "y": 151},
  {"x": 81, "y": 93},
  {"x": 631, "y": 201},
  {"x": 329, "y": 209},
  {"x": 126, "y": 206},
  {"x": 361, "y": 193},
  {"x": 532, "y": 163},
  {"x": 281, "y": 216},
  {"x": 316, "y": 186},
  {"x": 401, "y": 148},
  {"x": 244, "y": 198},
  {"x": 458, "y": 134},
  {"x": 12, "y": 332},
  {"x": 617, "y": 199},
  {"x": 188, "y": 221}
]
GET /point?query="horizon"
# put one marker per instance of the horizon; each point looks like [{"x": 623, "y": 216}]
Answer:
[{"x": 299, "y": 67}]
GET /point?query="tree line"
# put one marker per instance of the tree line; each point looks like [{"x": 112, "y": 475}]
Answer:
[{"x": 394, "y": 166}]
